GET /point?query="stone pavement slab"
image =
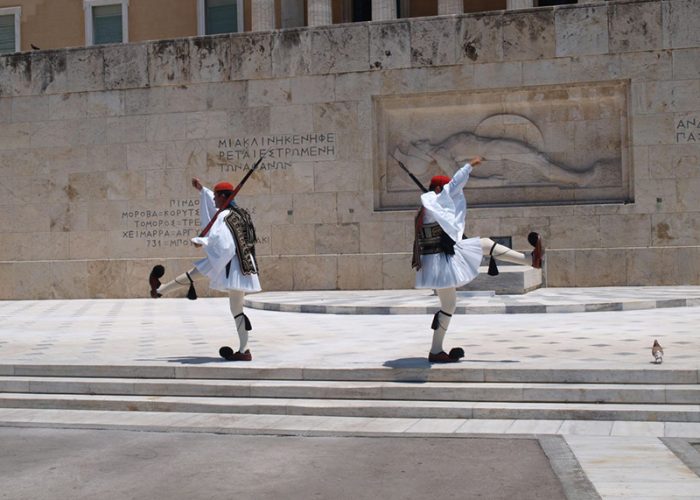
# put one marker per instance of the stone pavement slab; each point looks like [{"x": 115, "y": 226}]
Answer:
[
  {"x": 634, "y": 467},
  {"x": 187, "y": 334}
]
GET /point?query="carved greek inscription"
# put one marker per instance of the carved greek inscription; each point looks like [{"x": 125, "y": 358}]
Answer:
[
  {"x": 280, "y": 151},
  {"x": 170, "y": 227},
  {"x": 688, "y": 130}
]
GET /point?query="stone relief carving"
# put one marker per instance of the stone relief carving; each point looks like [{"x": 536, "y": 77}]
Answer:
[
  {"x": 507, "y": 162},
  {"x": 541, "y": 145}
]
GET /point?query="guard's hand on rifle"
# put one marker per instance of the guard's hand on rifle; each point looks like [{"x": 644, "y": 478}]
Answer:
[
  {"x": 197, "y": 184},
  {"x": 475, "y": 161}
]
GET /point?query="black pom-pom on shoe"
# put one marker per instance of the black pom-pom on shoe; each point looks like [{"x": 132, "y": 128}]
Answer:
[
  {"x": 226, "y": 352},
  {"x": 456, "y": 353},
  {"x": 154, "y": 280}
]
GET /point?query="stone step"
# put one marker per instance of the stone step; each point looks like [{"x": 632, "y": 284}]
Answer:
[
  {"x": 311, "y": 425},
  {"x": 358, "y": 407},
  {"x": 462, "y": 372},
  {"x": 428, "y": 391}
]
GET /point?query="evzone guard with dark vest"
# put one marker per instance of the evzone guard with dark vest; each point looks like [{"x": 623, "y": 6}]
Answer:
[
  {"x": 445, "y": 260},
  {"x": 228, "y": 239}
]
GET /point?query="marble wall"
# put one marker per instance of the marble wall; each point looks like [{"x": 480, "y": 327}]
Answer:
[{"x": 98, "y": 146}]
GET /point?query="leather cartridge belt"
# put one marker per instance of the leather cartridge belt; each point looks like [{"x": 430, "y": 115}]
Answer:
[{"x": 429, "y": 239}]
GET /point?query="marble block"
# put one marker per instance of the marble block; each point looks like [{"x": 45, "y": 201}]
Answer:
[
  {"x": 637, "y": 26},
  {"x": 480, "y": 39},
  {"x": 582, "y": 31},
  {"x": 315, "y": 272},
  {"x": 169, "y": 61},
  {"x": 209, "y": 59},
  {"x": 251, "y": 56},
  {"x": 679, "y": 19},
  {"x": 291, "y": 53},
  {"x": 511, "y": 280},
  {"x": 529, "y": 35},
  {"x": 433, "y": 42},
  {"x": 389, "y": 45},
  {"x": 51, "y": 66},
  {"x": 126, "y": 66},
  {"x": 85, "y": 69},
  {"x": 360, "y": 272},
  {"x": 340, "y": 49}
]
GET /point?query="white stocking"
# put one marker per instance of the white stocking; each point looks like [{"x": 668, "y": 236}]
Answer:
[
  {"x": 448, "y": 304},
  {"x": 501, "y": 252},
  {"x": 235, "y": 299},
  {"x": 181, "y": 281}
]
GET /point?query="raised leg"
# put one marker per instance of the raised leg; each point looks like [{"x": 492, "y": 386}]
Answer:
[
  {"x": 181, "y": 281},
  {"x": 502, "y": 252}
]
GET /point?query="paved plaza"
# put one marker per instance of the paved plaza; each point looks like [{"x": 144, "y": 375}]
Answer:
[
  {"x": 621, "y": 459},
  {"x": 179, "y": 331}
]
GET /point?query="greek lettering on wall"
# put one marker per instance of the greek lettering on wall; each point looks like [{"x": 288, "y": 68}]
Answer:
[
  {"x": 280, "y": 151},
  {"x": 158, "y": 227},
  {"x": 688, "y": 130}
]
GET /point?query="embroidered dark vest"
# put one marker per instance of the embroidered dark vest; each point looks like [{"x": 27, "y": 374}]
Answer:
[
  {"x": 429, "y": 239},
  {"x": 241, "y": 225}
]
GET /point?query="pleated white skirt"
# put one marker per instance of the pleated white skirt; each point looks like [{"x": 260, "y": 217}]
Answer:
[
  {"x": 451, "y": 271},
  {"x": 236, "y": 279}
]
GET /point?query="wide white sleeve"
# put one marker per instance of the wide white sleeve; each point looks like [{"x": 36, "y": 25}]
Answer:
[
  {"x": 449, "y": 208},
  {"x": 218, "y": 244},
  {"x": 459, "y": 180},
  {"x": 207, "y": 209}
]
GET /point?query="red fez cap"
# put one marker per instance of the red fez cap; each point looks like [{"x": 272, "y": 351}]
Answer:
[
  {"x": 223, "y": 186},
  {"x": 438, "y": 180}
]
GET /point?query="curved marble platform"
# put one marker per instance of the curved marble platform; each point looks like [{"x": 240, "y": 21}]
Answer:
[{"x": 543, "y": 300}]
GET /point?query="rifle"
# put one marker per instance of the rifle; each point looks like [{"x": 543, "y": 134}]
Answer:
[
  {"x": 233, "y": 195},
  {"x": 413, "y": 177}
]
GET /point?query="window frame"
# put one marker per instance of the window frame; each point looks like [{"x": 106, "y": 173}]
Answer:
[
  {"x": 89, "y": 29},
  {"x": 17, "y": 12},
  {"x": 202, "y": 19}
]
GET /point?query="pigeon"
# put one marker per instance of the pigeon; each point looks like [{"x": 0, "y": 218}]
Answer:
[{"x": 658, "y": 352}]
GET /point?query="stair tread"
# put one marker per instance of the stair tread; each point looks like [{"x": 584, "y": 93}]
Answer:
[
  {"x": 248, "y": 401},
  {"x": 348, "y": 383},
  {"x": 261, "y": 423}
]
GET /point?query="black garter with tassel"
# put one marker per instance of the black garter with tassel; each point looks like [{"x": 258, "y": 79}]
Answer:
[{"x": 248, "y": 326}]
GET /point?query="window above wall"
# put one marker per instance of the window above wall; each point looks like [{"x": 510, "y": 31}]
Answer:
[
  {"x": 106, "y": 21},
  {"x": 219, "y": 16},
  {"x": 9, "y": 29}
]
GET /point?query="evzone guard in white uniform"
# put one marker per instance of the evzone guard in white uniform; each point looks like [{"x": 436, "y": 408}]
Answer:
[
  {"x": 445, "y": 260},
  {"x": 230, "y": 263}
]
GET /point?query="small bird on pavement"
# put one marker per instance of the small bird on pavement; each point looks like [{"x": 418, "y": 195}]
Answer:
[{"x": 658, "y": 352}]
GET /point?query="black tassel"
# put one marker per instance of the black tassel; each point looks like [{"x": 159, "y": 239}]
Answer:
[
  {"x": 191, "y": 293},
  {"x": 248, "y": 326},
  {"x": 436, "y": 319},
  {"x": 493, "y": 268}
]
